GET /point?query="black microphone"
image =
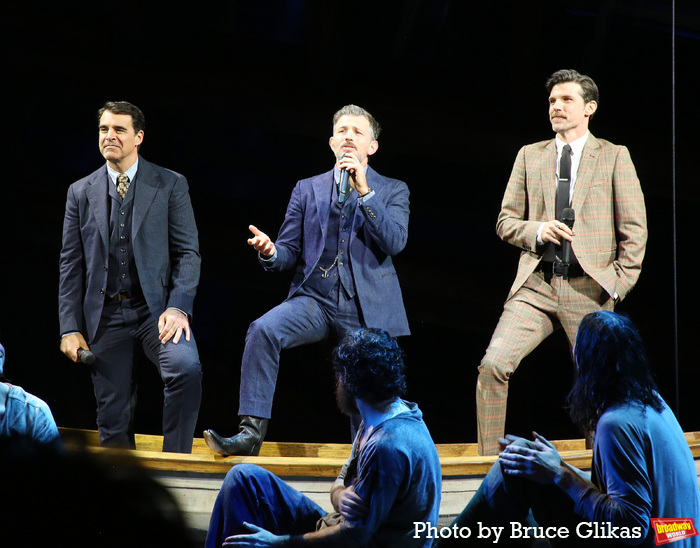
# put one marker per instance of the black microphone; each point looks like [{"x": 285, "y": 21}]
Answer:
[
  {"x": 343, "y": 192},
  {"x": 568, "y": 216},
  {"x": 85, "y": 356}
]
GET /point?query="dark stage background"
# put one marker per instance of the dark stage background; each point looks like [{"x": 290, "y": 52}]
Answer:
[{"x": 238, "y": 96}]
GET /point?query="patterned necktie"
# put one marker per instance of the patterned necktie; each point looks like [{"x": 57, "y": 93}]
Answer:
[
  {"x": 564, "y": 186},
  {"x": 122, "y": 184}
]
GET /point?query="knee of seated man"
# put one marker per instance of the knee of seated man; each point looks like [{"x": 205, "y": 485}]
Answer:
[
  {"x": 193, "y": 370},
  {"x": 523, "y": 442},
  {"x": 186, "y": 370},
  {"x": 260, "y": 328},
  {"x": 244, "y": 474},
  {"x": 497, "y": 368}
]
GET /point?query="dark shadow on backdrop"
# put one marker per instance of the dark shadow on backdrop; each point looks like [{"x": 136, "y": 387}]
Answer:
[{"x": 238, "y": 96}]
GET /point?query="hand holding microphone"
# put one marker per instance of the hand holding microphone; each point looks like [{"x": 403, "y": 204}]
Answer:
[
  {"x": 85, "y": 356},
  {"x": 74, "y": 346},
  {"x": 343, "y": 190},
  {"x": 352, "y": 176},
  {"x": 568, "y": 217}
]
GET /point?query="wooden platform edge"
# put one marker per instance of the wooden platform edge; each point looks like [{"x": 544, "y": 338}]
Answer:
[{"x": 309, "y": 459}]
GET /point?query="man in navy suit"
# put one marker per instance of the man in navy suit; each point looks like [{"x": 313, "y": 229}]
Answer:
[
  {"x": 129, "y": 270},
  {"x": 341, "y": 230}
]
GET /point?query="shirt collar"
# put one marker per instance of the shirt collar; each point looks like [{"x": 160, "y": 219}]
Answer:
[
  {"x": 131, "y": 172},
  {"x": 576, "y": 146}
]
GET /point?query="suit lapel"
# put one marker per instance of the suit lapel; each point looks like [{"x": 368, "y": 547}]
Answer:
[
  {"x": 584, "y": 176},
  {"x": 548, "y": 171},
  {"x": 98, "y": 196},
  {"x": 147, "y": 184},
  {"x": 323, "y": 190}
]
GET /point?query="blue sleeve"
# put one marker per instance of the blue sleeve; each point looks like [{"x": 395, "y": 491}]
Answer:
[
  {"x": 624, "y": 494},
  {"x": 45, "y": 429},
  {"x": 379, "y": 474},
  {"x": 386, "y": 216},
  {"x": 288, "y": 244},
  {"x": 183, "y": 240}
]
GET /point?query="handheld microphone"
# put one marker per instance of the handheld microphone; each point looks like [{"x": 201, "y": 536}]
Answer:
[
  {"x": 343, "y": 192},
  {"x": 568, "y": 216},
  {"x": 85, "y": 356}
]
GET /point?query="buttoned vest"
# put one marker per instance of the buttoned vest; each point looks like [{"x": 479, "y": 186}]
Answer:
[
  {"x": 121, "y": 274},
  {"x": 337, "y": 241}
]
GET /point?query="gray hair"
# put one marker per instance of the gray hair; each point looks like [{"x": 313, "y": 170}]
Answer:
[{"x": 354, "y": 110}]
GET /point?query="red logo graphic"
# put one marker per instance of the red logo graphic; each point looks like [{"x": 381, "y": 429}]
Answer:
[{"x": 669, "y": 530}]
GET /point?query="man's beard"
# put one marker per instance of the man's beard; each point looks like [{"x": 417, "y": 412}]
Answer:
[{"x": 346, "y": 402}]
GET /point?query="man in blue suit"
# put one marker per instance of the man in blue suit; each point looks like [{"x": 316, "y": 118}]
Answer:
[
  {"x": 340, "y": 232},
  {"x": 129, "y": 271}
]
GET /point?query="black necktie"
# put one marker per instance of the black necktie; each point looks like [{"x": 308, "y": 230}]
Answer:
[{"x": 564, "y": 185}]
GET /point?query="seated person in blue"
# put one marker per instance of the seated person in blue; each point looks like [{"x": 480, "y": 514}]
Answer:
[
  {"x": 23, "y": 414},
  {"x": 642, "y": 465},
  {"x": 391, "y": 480}
]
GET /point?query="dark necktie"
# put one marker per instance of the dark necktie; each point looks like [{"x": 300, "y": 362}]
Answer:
[
  {"x": 564, "y": 184},
  {"x": 122, "y": 184}
]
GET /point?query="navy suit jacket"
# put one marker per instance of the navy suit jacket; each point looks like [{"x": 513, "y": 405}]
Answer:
[
  {"x": 379, "y": 231},
  {"x": 164, "y": 239}
]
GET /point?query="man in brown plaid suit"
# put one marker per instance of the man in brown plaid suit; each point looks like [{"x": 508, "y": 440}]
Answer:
[{"x": 607, "y": 241}]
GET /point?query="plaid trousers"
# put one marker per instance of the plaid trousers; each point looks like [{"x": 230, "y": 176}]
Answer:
[{"x": 543, "y": 304}]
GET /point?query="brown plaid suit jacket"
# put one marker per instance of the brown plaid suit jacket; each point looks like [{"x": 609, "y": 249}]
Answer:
[{"x": 610, "y": 227}]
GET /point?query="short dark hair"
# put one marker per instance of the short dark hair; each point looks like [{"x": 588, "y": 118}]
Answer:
[
  {"x": 589, "y": 89},
  {"x": 370, "y": 363},
  {"x": 354, "y": 110},
  {"x": 138, "y": 120},
  {"x": 612, "y": 368}
]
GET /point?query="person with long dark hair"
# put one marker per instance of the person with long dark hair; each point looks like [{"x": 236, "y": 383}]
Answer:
[{"x": 642, "y": 466}]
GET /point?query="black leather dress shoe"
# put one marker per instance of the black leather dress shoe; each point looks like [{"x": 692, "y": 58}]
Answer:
[{"x": 246, "y": 443}]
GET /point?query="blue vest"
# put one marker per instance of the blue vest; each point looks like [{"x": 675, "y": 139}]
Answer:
[
  {"x": 121, "y": 271},
  {"x": 335, "y": 259}
]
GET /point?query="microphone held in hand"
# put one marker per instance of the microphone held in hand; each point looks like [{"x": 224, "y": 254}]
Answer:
[
  {"x": 343, "y": 191},
  {"x": 568, "y": 217},
  {"x": 85, "y": 356}
]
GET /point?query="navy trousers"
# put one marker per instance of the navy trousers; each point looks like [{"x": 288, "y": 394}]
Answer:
[
  {"x": 124, "y": 324},
  {"x": 253, "y": 495},
  {"x": 300, "y": 320}
]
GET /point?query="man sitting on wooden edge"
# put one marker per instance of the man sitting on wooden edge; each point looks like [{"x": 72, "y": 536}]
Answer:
[{"x": 391, "y": 480}]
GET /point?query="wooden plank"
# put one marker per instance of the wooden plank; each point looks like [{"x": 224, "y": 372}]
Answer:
[{"x": 321, "y": 460}]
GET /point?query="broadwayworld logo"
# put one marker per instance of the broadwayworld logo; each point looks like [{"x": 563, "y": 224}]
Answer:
[{"x": 669, "y": 530}]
